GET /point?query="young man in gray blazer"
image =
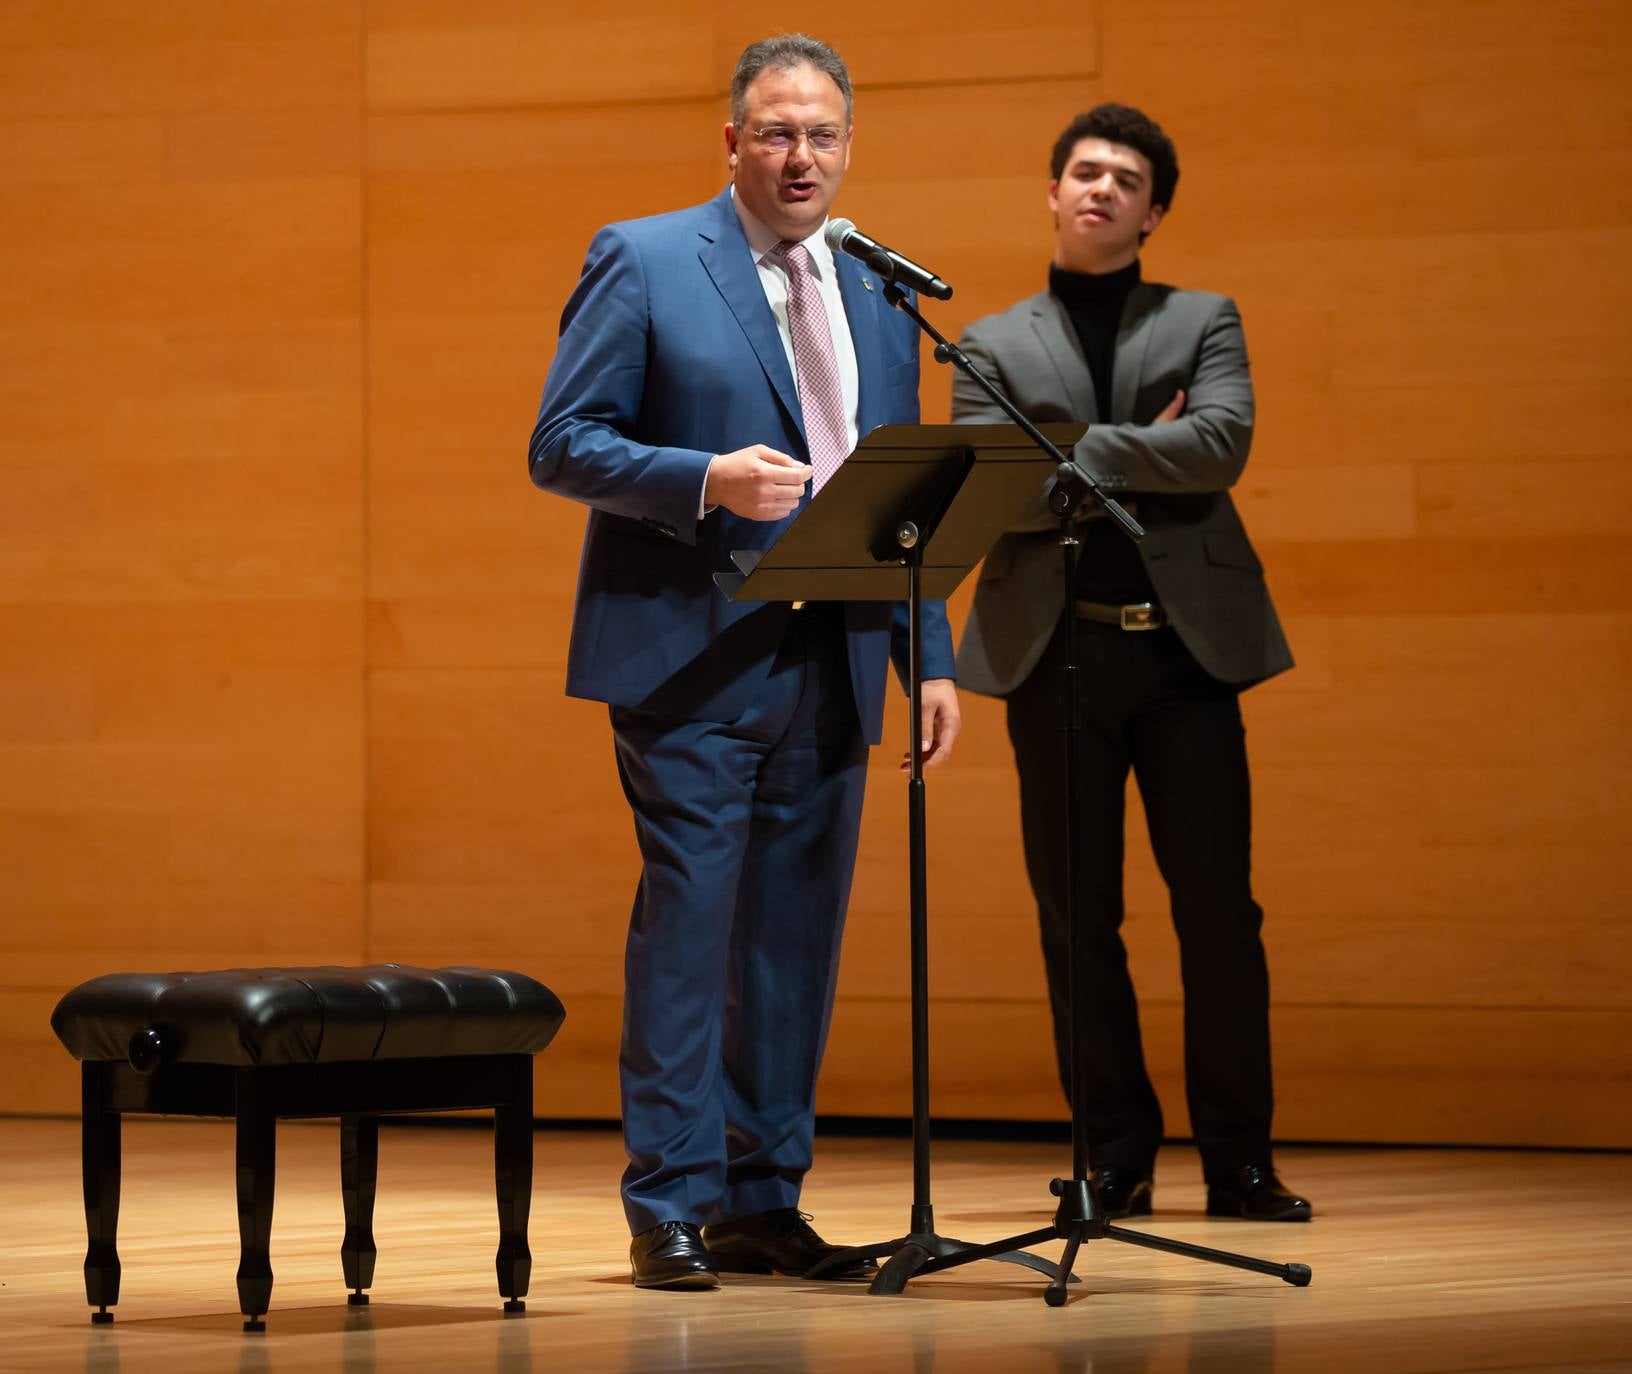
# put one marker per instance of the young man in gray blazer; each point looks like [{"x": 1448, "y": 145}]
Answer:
[{"x": 1168, "y": 632}]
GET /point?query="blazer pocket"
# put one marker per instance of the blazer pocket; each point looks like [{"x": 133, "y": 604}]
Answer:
[
  {"x": 903, "y": 374},
  {"x": 1229, "y": 549}
]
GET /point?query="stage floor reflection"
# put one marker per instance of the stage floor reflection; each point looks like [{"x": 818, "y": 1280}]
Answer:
[{"x": 1424, "y": 1261}]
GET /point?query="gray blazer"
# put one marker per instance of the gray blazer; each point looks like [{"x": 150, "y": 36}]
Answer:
[{"x": 1177, "y": 475}]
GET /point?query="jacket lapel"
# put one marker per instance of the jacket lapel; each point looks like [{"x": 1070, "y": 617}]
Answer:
[
  {"x": 1060, "y": 344},
  {"x": 1133, "y": 337},
  {"x": 729, "y": 262},
  {"x": 861, "y": 307}
]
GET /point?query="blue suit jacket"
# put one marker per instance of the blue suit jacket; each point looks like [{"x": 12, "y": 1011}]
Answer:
[{"x": 669, "y": 354}]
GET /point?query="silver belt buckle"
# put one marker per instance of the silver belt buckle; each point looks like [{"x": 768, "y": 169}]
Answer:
[{"x": 1143, "y": 616}]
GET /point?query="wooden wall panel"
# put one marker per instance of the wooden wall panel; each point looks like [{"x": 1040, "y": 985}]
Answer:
[
  {"x": 1415, "y": 776},
  {"x": 181, "y": 626},
  {"x": 496, "y": 828},
  {"x": 283, "y": 631},
  {"x": 941, "y": 43},
  {"x": 1341, "y": 1074},
  {"x": 431, "y": 54}
]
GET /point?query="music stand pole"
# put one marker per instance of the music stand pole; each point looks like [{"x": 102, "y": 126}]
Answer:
[
  {"x": 825, "y": 555},
  {"x": 922, "y": 1242}
]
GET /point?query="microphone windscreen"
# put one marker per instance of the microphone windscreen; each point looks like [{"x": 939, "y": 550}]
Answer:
[{"x": 836, "y": 232}]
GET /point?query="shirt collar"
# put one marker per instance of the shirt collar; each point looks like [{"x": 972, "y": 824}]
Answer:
[{"x": 761, "y": 239}]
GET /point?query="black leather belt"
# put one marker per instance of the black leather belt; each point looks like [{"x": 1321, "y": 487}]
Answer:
[{"x": 1143, "y": 615}]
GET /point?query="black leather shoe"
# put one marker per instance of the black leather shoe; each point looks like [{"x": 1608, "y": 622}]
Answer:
[
  {"x": 779, "y": 1242},
  {"x": 672, "y": 1255},
  {"x": 1122, "y": 1192},
  {"x": 1255, "y": 1194}
]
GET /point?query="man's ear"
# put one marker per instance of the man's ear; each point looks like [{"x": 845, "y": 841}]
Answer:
[{"x": 1155, "y": 217}]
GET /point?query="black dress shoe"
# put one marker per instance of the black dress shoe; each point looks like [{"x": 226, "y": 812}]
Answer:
[
  {"x": 779, "y": 1242},
  {"x": 1255, "y": 1194},
  {"x": 1122, "y": 1192},
  {"x": 672, "y": 1255}
]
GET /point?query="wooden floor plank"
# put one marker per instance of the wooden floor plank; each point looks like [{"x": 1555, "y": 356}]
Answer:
[{"x": 1425, "y": 1261}]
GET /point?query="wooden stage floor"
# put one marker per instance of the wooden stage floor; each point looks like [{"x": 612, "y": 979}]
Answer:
[{"x": 1424, "y": 1261}]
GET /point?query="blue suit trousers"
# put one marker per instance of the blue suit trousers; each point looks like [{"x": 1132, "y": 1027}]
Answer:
[{"x": 748, "y": 834}]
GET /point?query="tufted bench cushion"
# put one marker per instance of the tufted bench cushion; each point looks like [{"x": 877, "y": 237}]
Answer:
[{"x": 265, "y": 1016}]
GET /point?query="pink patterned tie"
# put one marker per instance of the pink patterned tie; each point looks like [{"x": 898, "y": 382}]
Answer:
[{"x": 821, "y": 398}]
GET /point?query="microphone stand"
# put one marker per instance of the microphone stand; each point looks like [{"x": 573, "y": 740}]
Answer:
[{"x": 1078, "y": 1217}]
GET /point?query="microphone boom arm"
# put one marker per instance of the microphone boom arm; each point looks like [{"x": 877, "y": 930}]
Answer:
[{"x": 1071, "y": 481}]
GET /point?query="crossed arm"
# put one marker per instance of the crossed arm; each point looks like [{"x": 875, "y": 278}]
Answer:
[{"x": 1198, "y": 442}]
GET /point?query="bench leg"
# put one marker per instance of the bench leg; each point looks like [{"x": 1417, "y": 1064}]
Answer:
[
  {"x": 359, "y": 1169},
  {"x": 100, "y": 1161},
  {"x": 513, "y": 1178},
  {"x": 257, "y": 1172}
]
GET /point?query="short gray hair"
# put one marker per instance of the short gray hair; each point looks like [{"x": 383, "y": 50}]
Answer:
[{"x": 783, "y": 52}]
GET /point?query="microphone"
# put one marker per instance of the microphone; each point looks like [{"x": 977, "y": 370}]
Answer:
[{"x": 843, "y": 237}]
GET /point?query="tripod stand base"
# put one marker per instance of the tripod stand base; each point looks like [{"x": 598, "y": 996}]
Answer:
[
  {"x": 1079, "y": 1220},
  {"x": 914, "y": 1252},
  {"x": 909, "y": 1254}
]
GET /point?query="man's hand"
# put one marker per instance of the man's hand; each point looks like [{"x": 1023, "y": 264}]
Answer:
[
  {"x": 756, "y": 482},
  {"x": 940, "y": 722},
  {"x": 1172, "y": 410}
]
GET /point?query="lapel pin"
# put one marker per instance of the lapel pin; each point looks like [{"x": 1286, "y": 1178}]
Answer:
[{"x": 867, "y": 282}]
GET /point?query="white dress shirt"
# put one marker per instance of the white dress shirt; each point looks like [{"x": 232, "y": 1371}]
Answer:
[
  {"x": 761, "y": 239},
  {"x": 772, "y": 277}
]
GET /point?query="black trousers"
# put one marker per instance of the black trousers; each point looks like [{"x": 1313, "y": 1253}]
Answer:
[{"x": 1147, "y": 704}]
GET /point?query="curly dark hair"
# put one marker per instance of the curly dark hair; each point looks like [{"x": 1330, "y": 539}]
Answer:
[{"x": 1132, "y": 129}]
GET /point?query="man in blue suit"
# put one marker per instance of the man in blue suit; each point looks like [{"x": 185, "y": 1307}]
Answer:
[{"x": 715, "y": 365}]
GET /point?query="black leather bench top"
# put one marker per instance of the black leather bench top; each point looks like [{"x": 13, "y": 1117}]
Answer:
[{"x": 263, "y": 1016}]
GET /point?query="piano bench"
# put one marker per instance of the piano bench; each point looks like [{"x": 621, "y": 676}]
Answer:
[{"x": 257, "y": 1045}]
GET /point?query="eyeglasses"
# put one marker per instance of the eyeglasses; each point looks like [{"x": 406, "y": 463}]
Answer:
[{"x": 779, "y": 138}]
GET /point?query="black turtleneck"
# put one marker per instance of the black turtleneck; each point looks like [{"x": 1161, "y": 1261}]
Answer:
[
  {"x": 1109, "y": 568},
  {"x": 1094, "y": 302}
]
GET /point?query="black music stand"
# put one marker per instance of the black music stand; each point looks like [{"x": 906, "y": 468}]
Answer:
[
  {"x": 909, "y": 514},
  {"x": 1078, "y": 1218}
]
